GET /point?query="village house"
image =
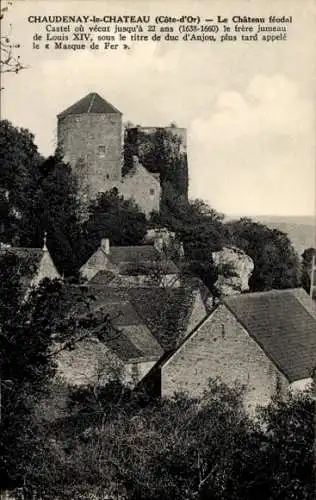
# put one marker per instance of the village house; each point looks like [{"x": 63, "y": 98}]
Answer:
[
  {"x": 127, "y": 349},
  {"x": 147, "y": 322},
  {"x": 36, "y": 264},
  {"x": 142, "y": 265},
  {"x": 265, "y": 341}
]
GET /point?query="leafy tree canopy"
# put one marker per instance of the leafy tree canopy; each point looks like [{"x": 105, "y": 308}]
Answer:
[
  {"x": 53, "y": 207},
  {"x": 34, "y": 326},
  {"x": 113, "y": 217},
  {"x": 160, "y": 152},
  {"x": 187, "y": 448},
  {"x": 198, "y": 226},
  {"x": 19, "y": 158},
  {"x": 275, "y": 260}
]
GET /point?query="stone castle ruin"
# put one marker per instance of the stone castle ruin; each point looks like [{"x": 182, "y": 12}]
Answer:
[{"x": 103, "y": 156}]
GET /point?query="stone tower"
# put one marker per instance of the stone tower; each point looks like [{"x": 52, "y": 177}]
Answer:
[{"x": 90, "y": 138}]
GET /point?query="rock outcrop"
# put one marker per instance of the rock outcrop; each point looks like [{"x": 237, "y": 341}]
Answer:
[{"x": 235, "y": 268}]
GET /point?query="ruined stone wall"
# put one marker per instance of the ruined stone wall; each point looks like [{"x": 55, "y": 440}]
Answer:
[
  {"x": 177, "y": 132},
  {"x": 92, "y": 144},
  {"x": 143, "y": 187},
  {"x": 222, "y": 348},
  {"x": 151, "y": 145}
]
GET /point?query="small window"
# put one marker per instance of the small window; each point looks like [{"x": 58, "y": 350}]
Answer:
[
  {"x": 151, "y": 191},
  {"x": 101, "y": 151},
  {"x": 107, "y": 176}
]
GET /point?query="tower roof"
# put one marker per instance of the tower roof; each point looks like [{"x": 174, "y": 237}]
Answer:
[{"x": 91, "y": 103}]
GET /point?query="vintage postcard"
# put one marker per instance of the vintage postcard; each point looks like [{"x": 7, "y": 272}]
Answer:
[{"x": 157, "y": 249}]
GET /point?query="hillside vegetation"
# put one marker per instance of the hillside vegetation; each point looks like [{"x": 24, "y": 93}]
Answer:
[
  {"x": 40, "y": 195},
  {"x": 112, "y": 442}
]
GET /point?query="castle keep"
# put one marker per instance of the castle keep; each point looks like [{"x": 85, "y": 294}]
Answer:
[{"x": 91, "y": 139}]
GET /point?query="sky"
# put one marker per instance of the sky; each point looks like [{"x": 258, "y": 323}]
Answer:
[{"x": 249, "y": 108}]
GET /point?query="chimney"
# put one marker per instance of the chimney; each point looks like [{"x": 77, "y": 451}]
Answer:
[{"x": 105, "y": 245}]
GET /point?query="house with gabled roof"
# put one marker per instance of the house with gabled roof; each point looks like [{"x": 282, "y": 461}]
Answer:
[
  {"x": 119, "y": 266},
  {"x": 147, "y": 322},
  {"x": 127, "y": 348},
  {"x": 35, "y": 264},
  {"x": 266, "y": 341}
]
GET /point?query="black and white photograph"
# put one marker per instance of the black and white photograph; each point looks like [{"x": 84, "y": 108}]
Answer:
[{"x": 158, "y": 250}]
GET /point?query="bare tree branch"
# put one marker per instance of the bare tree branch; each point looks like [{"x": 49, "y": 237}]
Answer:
[{"x": 9, "y": 62}]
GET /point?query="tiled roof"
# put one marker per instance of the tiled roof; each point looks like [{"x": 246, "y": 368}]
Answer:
[
  {"x": 129, "y": 260},
  {"x": 121, "y": 312},
  {"x": 131, "y": 338},
  {"x": 122, "y": 346},
  {"x": 91, "y": 103},
  {"x": 102, "y": 278},
  {"x": 137, "y": 260},
  {"x": 165, "y": 311},
  {"x": 145, "y": 268},
  {"x": 107, "y": 301},
  {"x": 143, "y": 341},
  {"x": 133, "y": 254},
  {"x": 283, "y": 323},
  {"x": 196, "y": 283},
  {"x": 159, "y": 316}
]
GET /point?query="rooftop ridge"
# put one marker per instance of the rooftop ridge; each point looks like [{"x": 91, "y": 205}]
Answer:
[
  {"x": 283, "y": 323},
  {"x": 92, "y": 103},
  {"x": 274, "y": 291}
]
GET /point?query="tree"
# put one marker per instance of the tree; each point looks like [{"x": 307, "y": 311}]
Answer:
[
  {"x": 180, "y": 447},
  {"x": 9, "y": 62},
  {"x": 120, "y": 443},
  {"x": 25, "y": 367},
  {"x": 199, "y": 227},
  {"x": 288, "y": 454},
  {"x": 113, "y": 217},
  {"x": 54, "y": 207},
  {"x": 19, "y": 159},
  {"x": 160, "y": 151},
  {"x": 276, "y": 264},
  {"x": 34, "y": 327},
  {"x": 38, "y": 195}
]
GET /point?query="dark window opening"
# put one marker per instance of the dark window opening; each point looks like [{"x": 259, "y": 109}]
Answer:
[{"x": 101, "y": 151}]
